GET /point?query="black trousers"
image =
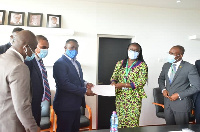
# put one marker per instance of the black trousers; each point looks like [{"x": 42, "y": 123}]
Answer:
[{"x": 68, "y": 121}]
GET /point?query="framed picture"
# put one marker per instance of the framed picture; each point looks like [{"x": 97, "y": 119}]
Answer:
[
  {"x": 34, "y": 19},
  {"x": 53, "y": 21},
  {"x": 2, "y": 17},
  {"x": 16, "y": 18}
]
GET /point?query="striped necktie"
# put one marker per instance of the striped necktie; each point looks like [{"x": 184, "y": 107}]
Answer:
[
  {"x": 173, "y": 72},
  {"x": 45, "y": 81}
]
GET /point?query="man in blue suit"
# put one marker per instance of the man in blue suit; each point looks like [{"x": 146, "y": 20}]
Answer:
[
  {"x": 70, "y": 89},
  {"x": 196, "y": 97},
  {"x": 5, "y": 47},
  {"x": 38, "y": 83}
]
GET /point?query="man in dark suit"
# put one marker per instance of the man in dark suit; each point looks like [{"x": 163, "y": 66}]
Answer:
[
  {"x": 39, "y": 84},
  {"x": 196, "y": 97},
  {"x": 70, "y": 89},
  {"x": 178, "y": 80},
  {"x": 5, "y": 47}
]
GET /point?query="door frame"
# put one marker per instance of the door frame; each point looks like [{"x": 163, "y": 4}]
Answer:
[{"x": 106, "y": 36}]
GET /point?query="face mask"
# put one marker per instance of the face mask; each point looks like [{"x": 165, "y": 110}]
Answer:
[
  {"x": 171, "y": 58},
  {"x": 43, "y": 53},
  {"x": 133, "y": 54},
  {"x": 71, "y": 53},
  {"x": 27, "y": 57}
]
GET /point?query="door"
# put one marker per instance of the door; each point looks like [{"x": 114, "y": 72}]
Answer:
[{"x": 111, "y": 50}]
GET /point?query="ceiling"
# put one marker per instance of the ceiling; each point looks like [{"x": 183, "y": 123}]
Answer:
[{"x": 184, "y": 4}]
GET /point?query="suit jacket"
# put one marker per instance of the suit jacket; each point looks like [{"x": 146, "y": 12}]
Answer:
[
  {"x": 70, "y": 88},
  {"x": 4, "y": 48},
  {"x": 197, "y": 64},
  {"x": 36, "y": 88},
  {"x": 186, "y": 82},
  {"x": 15, "y": 96},
  {"x": 194, "y": 97}
]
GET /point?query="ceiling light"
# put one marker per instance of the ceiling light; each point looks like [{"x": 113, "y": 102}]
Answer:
[{"x": 178, "y": 1}]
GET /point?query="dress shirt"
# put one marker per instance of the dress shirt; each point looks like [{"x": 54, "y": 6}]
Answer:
[
  {"x": 177, "y": 65},
  {"x": 22, "y": 58}
]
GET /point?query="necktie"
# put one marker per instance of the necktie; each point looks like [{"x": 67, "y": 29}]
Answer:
[
  {"x": 173, "y": 72},
  {"x": 47, "y": 91}
]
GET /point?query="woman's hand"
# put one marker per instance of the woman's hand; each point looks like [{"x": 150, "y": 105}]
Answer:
[
  {"x": 113, "y": 83},
  {"x": 119, "y": 85}
]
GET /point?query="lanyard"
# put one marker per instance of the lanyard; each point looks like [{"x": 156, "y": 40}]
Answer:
[{"x": 128, "y": 70}]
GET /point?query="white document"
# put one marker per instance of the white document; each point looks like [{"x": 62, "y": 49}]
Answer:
[
  {"x": 184, "y": 130},
  {"x": 104, "y": 90}
]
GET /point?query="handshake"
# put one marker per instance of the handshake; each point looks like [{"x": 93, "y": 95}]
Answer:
[{"x": 89, "y": 91}]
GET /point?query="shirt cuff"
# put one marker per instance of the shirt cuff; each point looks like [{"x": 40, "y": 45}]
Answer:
[
  {"x": 132, "y": 85},
  {"x": 163, "y": 90},
  {"x": 85, "y": 83},
  {"x": 179, "y": 97}
]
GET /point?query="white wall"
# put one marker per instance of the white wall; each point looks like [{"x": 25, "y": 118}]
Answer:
[{"x": 156, "y": 29}]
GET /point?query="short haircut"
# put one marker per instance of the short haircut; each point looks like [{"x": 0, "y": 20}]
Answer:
[
  {"x": 73, "y": 40},
  {"x": 17, "y": 29},
  {"x": 182, "y": 49},
  {"x": 54, "y": 18},
  {"x": 41, "y": 37}
]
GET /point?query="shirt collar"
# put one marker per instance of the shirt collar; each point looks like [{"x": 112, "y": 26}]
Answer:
[
  {"x": 177, "y": 63},
  {"x": 70, "y": 58},
  {"x": 21, "y": 57},
  {"x": 37, "y": 58}
]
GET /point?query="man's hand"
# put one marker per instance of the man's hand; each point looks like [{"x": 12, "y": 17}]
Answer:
[
  {"x": 38, "y": 130},
  {"x": 89, "y": 92},
  {"x": 166, "y": 94},
  {"x": 174, "y": 97},
  {"x": 89, "y": 85},
  {"x": 119, "y": 85}
]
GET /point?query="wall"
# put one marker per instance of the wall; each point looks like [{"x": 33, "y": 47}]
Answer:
[{"x": 156, "y": 29}]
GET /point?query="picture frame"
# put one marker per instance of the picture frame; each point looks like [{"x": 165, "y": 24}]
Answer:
[
  {"x": 53, "y": 21},
  {"x": 2, "y": 17},
  {"x": 16, "y": 18},
  {"x": 34, "y": 19}
]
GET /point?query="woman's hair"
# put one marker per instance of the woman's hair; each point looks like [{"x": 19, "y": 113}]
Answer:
[{"x": 140, "y": 56}]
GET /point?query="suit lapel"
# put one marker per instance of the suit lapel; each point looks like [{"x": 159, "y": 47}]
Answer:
[
  {"x": 71, "y": 65},
  {"x": 180, "y": 67},
  {"x": 167, "y": 70},
  {"x": 35, "y": 64}
]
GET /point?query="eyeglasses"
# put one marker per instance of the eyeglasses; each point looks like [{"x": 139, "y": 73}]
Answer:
[{"x": 31, "y": 49}]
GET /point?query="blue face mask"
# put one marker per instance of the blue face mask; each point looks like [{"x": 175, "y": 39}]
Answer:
[
  {"x": 133, "y": 54},
  {"x": 28, "y": 58},
  {"x": 171, "y": 58},
  {"x": 43, "y": 53},
  {"x": 71, "y": 53}
]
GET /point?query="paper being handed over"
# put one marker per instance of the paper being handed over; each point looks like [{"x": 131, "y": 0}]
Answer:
[{"x": 104, "y": 90}]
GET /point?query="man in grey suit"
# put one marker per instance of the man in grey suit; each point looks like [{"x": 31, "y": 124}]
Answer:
[
  {"x": 178, "y": 80},
  {"x": 15, "y": 95}
]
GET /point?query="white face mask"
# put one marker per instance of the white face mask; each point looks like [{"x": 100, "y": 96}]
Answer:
[{"x": 133, "y": 54}]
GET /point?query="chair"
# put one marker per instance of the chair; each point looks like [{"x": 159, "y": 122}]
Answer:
[
  {"x": 47, "y": 117},
  {"x": 85, "y": 123},
  {"x": 159, "y": 104}
]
